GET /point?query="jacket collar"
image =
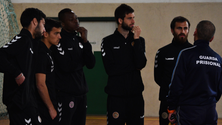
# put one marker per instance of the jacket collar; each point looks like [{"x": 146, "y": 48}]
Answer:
[
  {"x": 116, "y": 32},
  {"x": 68, "y": 33},
  {"x": 26, "y": 32},
  {"x": 201, "y": 42}
]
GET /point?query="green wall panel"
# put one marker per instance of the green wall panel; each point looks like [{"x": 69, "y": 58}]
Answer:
[{"x": 97, "y": 80}]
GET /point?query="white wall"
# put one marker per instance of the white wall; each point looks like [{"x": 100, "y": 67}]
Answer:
[
  {"x": 97, "y": 31},
  {"x": 113, "y": 1}
]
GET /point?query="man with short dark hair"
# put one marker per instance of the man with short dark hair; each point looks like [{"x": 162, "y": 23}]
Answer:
[
  {"x": 45, "y": 78},
  {"x": 165, "y": 61},
  {"x": 18, "y": 64},
  {"x": 194, "y": 88},
  {"x": 70, "y": 56},
  {"x": 123, "y": 54}
]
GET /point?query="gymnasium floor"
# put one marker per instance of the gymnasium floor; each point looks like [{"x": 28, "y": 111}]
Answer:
[{"x": 101, "y": 120}]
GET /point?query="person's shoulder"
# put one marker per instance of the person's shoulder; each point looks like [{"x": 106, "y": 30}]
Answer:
[
  {"x": 188, "y": 44},
  {"x": 142, "y": 39},
  {"x": 218, "y": 56},
  {"x": 19, "y": 39},
  {"x": 166, "y": 47},
  {"x": 189, "y": 51},
  {"x": 108, "y": 38}
]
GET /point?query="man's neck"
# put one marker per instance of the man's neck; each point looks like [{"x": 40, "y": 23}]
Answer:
[
  {"x": 123, "y": 32},
  {"x": 48, "y": 45},
  {"x": 30, "y": 29}
]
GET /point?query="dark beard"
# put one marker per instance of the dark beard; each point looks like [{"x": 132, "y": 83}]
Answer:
[
  {"x": 38, "y": 34},
  {"x": 180, "y": 40},
  {"x": 125, "y": 27}
]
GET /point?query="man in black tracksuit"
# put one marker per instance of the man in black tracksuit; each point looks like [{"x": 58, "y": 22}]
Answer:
[
  {"x": 165, "y": 61},
  {"x": 70, "y": 56},
  {"x": 17, "y": 64},
  {"x": 123, "y": 55},
  {"x": 194, "y": 88},
  {"x": 45, "y": 75}
]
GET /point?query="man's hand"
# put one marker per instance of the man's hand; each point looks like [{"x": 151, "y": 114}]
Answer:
[
  {"x": 52, "y": 113},
  {"x": 172, "y": 119},
  {"x": 83, "y": 33},
  {"x": 137, "y": 31},
  {"x": 20, "y": 79}
]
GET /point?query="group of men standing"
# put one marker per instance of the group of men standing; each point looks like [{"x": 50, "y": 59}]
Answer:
[{"x": 44, "y": 82}]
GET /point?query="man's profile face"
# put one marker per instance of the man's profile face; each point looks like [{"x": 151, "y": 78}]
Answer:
[
  {"x": 40, "y": 28},
  {"x": 54, "y": 36},
  {"x": 128, "y": 21}
]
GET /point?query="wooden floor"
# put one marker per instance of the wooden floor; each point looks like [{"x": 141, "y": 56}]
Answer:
[{"x": 101, "y": 120}]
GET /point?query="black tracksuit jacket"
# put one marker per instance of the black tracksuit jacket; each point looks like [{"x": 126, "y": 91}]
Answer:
[
  {"x": 165, "y": 61},
  {"x": 17, "y": 56},
  {"x": 70, "y": 56},
  {"x": 45, "y": 65},
  {"x": 123, "y": 58}
]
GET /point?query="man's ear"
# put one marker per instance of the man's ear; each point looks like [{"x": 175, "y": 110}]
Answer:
[
  {"x": 34, "y": 22},
  {"x": 120, "y": 20},
  {"x": 62, "y": 24},
  {"x": 172, "y": 31},
  {"x": 212, "y": 39},
  {"x": 195, "y": 32},
  {"x": 45, "y": 34}
]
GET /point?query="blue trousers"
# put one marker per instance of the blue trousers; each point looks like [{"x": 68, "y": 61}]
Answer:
[{"x": 197, "y": 115}]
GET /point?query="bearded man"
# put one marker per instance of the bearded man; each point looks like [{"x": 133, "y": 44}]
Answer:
[
  {"x": 123, "y": 54},
  {"x": 165, "y": 61}
]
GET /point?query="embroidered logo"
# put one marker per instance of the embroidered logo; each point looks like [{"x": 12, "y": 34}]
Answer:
[
  {"x": 169, "y": 58},
  {"x": 118, "y": 47},
  {"x": 164, "y": 115},
  {"x": 115, "y": 115},
  {"x": 70, "y": 48},
  {"x": 132, "y": 43},
  {"x": 71, "y": 104}
]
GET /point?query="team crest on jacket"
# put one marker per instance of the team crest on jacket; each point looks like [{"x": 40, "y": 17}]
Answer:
[
  {"x": 80, "y": 45},
  {"x": 115, "y": 115},
  {"x": 132, "y": 43},
  {"x": 71, "y": 104},
  {"x": 164, "y": 115}
]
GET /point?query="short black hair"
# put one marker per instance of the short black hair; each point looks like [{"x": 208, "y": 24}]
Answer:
[
  {"x": 62, "y": 14},
  {"x": 50, "y": 23},
  {"x": 29, "y": 14},
  {"x": 121, "y": 11},
  {"x": 205, "y": 30},
  {"x": 179, "y": 19}
]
